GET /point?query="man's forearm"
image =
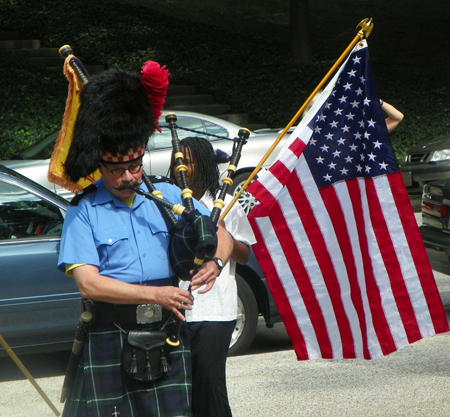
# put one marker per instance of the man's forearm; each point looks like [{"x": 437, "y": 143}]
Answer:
[{"x": 102, "y": 288}]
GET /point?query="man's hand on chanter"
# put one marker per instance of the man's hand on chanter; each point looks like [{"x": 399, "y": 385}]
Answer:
[
  {"x": 206, "y": 275},
  {"x": 174, "y": 299}
]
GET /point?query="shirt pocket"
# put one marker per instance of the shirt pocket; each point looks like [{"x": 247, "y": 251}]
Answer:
[
  {"x": 159, "y": 239},
  {"x": 113, "y": 247}
]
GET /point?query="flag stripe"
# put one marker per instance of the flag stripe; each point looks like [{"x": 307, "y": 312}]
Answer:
[
  {"x": 316, "y": 224},
  {"x": 376, "y": 319},
  {"x": 391, "y": 261},
  {"x": 421, "y": 261},
  {"x": 383, "y": 284},
  {"x": 275, "y": 284},
  {"x": 405, "y": 256},
  {"x": 278, "y": 174},
  {"x": 296, "y": 262},
  {"x": 344, "y": 231}
]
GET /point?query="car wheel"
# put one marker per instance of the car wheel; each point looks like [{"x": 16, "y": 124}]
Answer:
[
  {"x": 246, "y": 200},
  {"x": 247, "y": 319}
]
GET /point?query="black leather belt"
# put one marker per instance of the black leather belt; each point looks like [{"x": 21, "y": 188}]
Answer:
[{"x": 127, "y": 313}]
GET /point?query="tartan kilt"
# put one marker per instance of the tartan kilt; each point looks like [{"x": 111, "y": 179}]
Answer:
[{"x": 101, "y": 386}]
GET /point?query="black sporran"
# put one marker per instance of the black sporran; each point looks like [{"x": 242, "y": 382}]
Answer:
[{"x": 146, "y": 355}]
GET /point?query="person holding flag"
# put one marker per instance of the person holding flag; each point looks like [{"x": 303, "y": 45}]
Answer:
[{"x": 394, "y": 116}]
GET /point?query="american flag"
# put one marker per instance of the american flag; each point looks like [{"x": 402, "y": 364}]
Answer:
[{"x": 337, "y": 239}]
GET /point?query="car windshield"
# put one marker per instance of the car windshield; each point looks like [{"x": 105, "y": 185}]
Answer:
[
  {"x": 42, "y": 149},
  {"x": 33, "y": 184}
]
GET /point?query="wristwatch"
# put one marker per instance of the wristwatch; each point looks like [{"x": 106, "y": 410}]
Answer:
[{"x": 219, "y": 263}]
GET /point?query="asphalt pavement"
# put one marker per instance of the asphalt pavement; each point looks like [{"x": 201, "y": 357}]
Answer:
[
  {"x": 411, "y": 382},
  {"x": 270, "y": 382}
]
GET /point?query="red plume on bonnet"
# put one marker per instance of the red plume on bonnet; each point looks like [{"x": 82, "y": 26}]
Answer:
[{"x": 155, "y": 81}]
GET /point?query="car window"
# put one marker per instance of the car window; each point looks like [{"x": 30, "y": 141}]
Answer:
[
  {"x": 164, "y": 139},
  {"x": 23, "y": 215},
  {"x": 214, "y": 129}
]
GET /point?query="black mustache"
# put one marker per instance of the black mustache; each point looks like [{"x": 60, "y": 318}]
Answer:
[{"x": 129, "y": 184}]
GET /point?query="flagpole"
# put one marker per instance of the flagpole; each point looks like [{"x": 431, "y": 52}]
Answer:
[
  {"x": 21, "y": 366},
  {"x": 366, "y": 26}
]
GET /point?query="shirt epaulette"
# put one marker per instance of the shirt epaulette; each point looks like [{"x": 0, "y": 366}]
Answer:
[{"x": 85, "y": 191}]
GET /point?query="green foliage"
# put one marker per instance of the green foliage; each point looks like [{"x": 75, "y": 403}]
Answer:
[
  {"x": 248, "y": 69},
  {"x": 32, "y": 104},
  {"x": 426, "y": 110}
]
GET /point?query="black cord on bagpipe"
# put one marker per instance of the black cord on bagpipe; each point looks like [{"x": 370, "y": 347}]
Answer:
[
  {"x": 194, "y": 239},
  {"x": 198, "y": 132}
]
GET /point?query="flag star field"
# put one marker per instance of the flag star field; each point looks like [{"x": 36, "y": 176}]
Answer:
[{"x": 350, "y": 138}]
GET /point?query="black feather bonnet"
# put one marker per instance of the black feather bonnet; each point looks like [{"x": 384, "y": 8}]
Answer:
[{"x": 119, "y": 110}]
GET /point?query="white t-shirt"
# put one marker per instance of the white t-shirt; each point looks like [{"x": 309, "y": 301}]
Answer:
[{"x": 220, "y": 304}]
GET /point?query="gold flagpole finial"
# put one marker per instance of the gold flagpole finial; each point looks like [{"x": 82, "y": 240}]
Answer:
[{"x": 366, "y": 26}]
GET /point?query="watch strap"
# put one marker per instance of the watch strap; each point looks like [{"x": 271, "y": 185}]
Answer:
[{"x": 218, "y": 262}]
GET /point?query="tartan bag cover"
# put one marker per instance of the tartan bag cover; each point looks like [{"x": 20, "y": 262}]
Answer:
[
  {"x": 189, "y": 237},
  {"x": 101, "y": 386}
]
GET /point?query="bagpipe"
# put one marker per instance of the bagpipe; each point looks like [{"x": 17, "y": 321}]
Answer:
[
  {"x": 194, "y": 240},
  {"x": 193, "y": 236}
]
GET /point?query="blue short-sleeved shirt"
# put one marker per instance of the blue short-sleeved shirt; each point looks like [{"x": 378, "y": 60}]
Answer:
[{"x": 129, "y": 244}]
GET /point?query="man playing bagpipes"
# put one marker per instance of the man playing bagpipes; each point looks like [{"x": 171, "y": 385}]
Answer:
[{"x": 115, "y": 245}]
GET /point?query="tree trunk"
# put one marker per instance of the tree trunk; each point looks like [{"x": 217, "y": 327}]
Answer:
[{"x": 300, "y": 45}]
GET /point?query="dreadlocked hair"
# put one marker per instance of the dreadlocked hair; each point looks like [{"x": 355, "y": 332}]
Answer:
[{"x": 206, "y": 170}]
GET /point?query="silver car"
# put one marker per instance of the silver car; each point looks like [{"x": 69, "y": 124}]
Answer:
[
  {"x": 33, "y": 162},
  {"x": 426, "y": 162}
]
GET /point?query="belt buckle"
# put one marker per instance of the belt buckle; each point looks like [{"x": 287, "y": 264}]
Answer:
[{"x": 148, "y": 313}]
